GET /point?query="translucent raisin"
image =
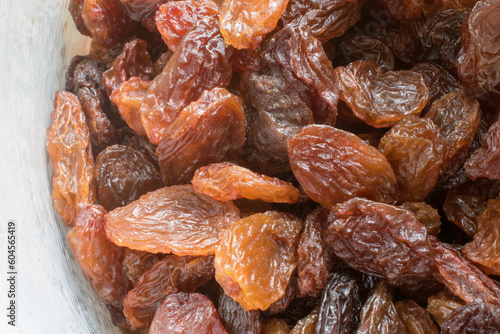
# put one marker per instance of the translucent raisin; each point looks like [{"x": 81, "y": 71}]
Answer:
[
  {"x": 137, "y": 263},
  {"x": 306, "y": 325},
  {"x": 463, "y": 209},
  {"x": 416, "y": 318},
  {"x": 485, "y": 161},
  {"x": 440, "y": 306},
  {"x": 426, "y": 215}
]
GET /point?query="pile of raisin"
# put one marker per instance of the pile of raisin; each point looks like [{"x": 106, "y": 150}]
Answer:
[{"x": 285, "y": 166}]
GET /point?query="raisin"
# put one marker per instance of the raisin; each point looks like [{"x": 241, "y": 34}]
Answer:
[
  {"x": 235, "y": 319},
  {"x": 226, "y": 182},
  {"x": 306, "y": 325},
  {"x": 70, "y": 153},
  {"x": 326, "y": 18},
  {"x": 463, "y": 209},
  {"x": 128, "y": 99},
  {"x": 84, "y": 72},
  {"x": 274, "y": 112},
  {"x": 143, "y": 145},
  {"x": 365, "y": 88},
  {"x": 137, "y": 263},
  {"x": 186, "y": 313},
  {"x": 133, "y": 61},
  {"x": 426, "y": 215},
  {"x": 380, "y": 240},
  {"x": 139, "y": 10},
  {"x": 174, "y": 19},
  {"x": 442, "y": 305},
  {"x": 199, "y": 64},
  {"x": 416, "y": 318},
  {"x": 167, "y": 276},
  {"x": 256, "y": 257},
  {"x": 437, "y": 79},
  {"x": 362, "y": 47},
  {"x": 275, "y": 326},
  {"x": 99, "y": 258},
  {"x": 75, "y": 9},
  {"x": 415, "y": 149},
  {"x": 479, "y": 58},
  {"x": 172, "y": 219},
  {"x": 340, "y": 304},
  {"x": 379, "y": 315},
  {"x": 462, "y": 278},
  {"x": 209, "y": 130},
  {"x": 457, "y": 117},
  {"x": 485, "y": 249},
  {"x": 244, "y": 24},
  {"x": 477, "y": 318},
  {"x": 282, "y": 304},
  {"x": 315, "y": 260},
  {"x": 333, "y": 166},
  {"x": 485, "y": 161},
  {"x": 124, "y": 174}
]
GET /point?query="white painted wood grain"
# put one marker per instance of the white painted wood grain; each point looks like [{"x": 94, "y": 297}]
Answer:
[{"x": 37, "y": 40}]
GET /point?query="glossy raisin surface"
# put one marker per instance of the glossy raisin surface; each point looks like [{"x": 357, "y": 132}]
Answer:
[
  {"x": 235, "y": 319},
  {"x": 440, "y": 306},
  {"x": 485, "y": 161},
  {"x": 478, "y": 318},
  {"x": 426, "y": 215},
  {"x": 137, "y": 263},
  {"x": 463, "y": 209},
  {"x": 415, "y": 318}
]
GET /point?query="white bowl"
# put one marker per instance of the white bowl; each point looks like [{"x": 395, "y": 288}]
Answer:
[{"x": 37, "y": 41}]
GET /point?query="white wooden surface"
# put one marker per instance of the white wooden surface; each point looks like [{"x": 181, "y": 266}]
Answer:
[{"x": 37, "y": 40}]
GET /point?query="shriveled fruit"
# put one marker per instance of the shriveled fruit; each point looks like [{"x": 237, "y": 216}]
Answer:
[
  {"x": 137, "y": 263},
  {"x": 380, "y": 240},
  {"x": 282, "y": 304},
  {"x": 404, "y": 11},
  {"x": 340, "y": 304},
  {"x": 315, "y": 259},
  {"x": 209, "y": 130},
  {"x": 68, "y": 145},
  {"x": 124, "y": 174},
  {"x": 415, "y": 149},
  {"x": 485, "y": 248},
  {"x": 485, "y": 161},
  {"x": 133, "y": 61},
  {"x": 463, "y": 209},
  {"x": 226, "y": 182},
  {"x": 442, "y": 305},
  {"x": 479, "y": 59},
  {"x": 275, "y": 326},
  {"x": 426, "y": 215},
  {"x": 140, "y": 9},
  {"x": 235, "y": 319},
  {"x": 334, "y": 165},
  {"x": 99, "y": 258},
  {"x": 174, "y": 19},
  {"x": 306, "y": 325},
  {"x": 256, "y": 257},
  {"x": 462, "y": 278},
  {"x": 379, "y": 315},
  {"x": 437, "y": 79},
  {"x": 381, "y": 98},
  {"x": 415, "y": 318},
  {"x": 362, "y": 47},
  {"x": 170, "y": 275},
  {"x": 172, "y": 219},
  {"x": 474, "y": 318},
  {"x": 245, "y": 23},
  {"x": 186, "y": 313},
  {"x": 199, "y": 64}
]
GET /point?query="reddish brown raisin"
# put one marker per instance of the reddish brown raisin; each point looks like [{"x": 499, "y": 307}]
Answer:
[
  {"x": 137, "y": 263},
  {"x": 442, "y": 305},
  {"x": 485, "y": 161},
  {"x": 463, "y": 209},
  {"x": 426, "y": 215},
  {"x": 275, "y": 326},
  {"x": 415, "y": 318},
  {"x": 477, "y": 318}
]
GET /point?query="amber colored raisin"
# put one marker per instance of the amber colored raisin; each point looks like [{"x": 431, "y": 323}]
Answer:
[
  {"x": 172, "y": 219},
  {"x": 306, "y": 325},
  {"x": 315, "y": 259},
  {"x": 440, "y": 306},
  {"x": 235, "y": 319},
  {"x": 479, "y": 59},
  {"x": 485, "y": 161},
  {"x": 137, "y": 263},
  {"x": 245, "y": 23},
  {"x": 170, "y": 275},
  {"x": 362, "y": 47},
  {"x": 426, "y": 215},
  {"x": 275, "y": 326},
  {"x": 124, "y": 174},
  {"x": 99, "y": 258},
  {"x": 485, "y": 248},
  {"x": 463, "y": 209},
  {"x": 415, "y": 149},
  {"x": 474, "y": 318},
  {"x": 461, "y": 277},
  {"x": 256, "y": 257},
  {"x": 379, "y": 315},
  {"x": 174, "y": 19},
  {"x": 199, "y": 64},
  {"x": 133, "y": 61},
  {"x": 186, "y": 313},
  {"x": 334, "y": 165},
  {"x": 226, "y": 182},
  {"x": 209, "y": 130},
  {"x": 380, "y": 240},
  {"x": 381, "y": 98},
  {"x": 68, "y": 145},
  {"x": 416, "y": 318},
  {"x": 437, "y": 79}
]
